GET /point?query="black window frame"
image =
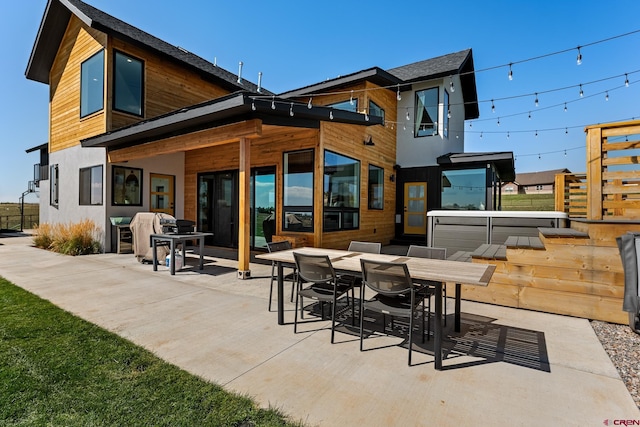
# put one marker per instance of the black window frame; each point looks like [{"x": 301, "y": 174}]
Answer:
[
  {"x": 334, "y": 218},
  {"x": 351, "y": 104},
  {"x": 85, "y": 188},
  {"x": 417, "y": 109},
  {"x": 54, "y": 186},
  {"x": 446, "y": 114},
  {"x": 370, "y": 190},
  {"x": 115, "y": 83},
  {"x": 83, "y": 91},
  {"x": 293, "y": 216},
  {"x": 376, "y": 107}
]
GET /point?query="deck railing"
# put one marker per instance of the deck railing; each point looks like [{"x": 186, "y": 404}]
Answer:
[{"x": 611, "y": 187}]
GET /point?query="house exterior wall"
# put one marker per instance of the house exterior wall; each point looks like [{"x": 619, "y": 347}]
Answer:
[
  {"x": 66, "y": 128},
  {"x": 423, "y": 151}
]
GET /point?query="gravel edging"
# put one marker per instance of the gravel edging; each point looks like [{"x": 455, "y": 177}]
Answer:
[{"x": 623, "y": 347}]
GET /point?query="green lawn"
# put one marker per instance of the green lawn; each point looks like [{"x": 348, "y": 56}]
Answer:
[
  {"x": 528, "y": 202},
  {"x": 57, "y": 369}
]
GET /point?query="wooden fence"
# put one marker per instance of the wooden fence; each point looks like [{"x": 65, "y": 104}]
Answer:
[{"x": 611, "y": 187}]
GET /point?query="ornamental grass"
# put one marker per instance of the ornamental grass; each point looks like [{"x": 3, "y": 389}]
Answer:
[{"x": 79, "y": 238}]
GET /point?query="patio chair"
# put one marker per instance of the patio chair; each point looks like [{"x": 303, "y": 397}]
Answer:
[
  {"x": 323, "y": 285},
  {"x": 396, "y": 295},
  {"x": 364, "y": 247},
  {"x": 432, "y": 253},
  {"x": 289, "y": 277}
]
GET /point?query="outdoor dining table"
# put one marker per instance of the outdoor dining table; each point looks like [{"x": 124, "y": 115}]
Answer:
[{"x": 435, "y": 271}]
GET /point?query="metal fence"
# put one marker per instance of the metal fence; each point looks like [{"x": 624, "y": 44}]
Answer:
[{"x": 12, "y": 222}]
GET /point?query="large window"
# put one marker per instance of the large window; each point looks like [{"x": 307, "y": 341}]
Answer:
[
  {"x": 92, "y": 84},
  {"x": 128, "y": 84},
  {"x": 426, "y": 112},
  {"x": 126, "y": 186},
  {"x": 351, "y": 105},
  {"x": 464, "y": 189},
  {"x": 376, "y": 187},
  {"x": 54, "y": 180},
  {"x": 341, "y": 192},
  {"x": 297, "y": 196},
  {"x": 91, "y": 185}
]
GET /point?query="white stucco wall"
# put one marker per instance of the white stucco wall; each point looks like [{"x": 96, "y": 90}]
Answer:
[
  {"x": 69, "y": 210},
  {"x": 423, "y": 151}
]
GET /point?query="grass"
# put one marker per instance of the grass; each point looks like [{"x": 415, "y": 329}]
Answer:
[
  {"x": 528, "y": 202},
  {"x": 79, "y": 238},
  {"x": 57, "y": 369}
]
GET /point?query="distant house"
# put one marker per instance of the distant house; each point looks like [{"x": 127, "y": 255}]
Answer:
[{"x": 533, "y": 182}]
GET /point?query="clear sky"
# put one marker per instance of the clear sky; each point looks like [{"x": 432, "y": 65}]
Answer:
[{"x": 296, "y": 43}]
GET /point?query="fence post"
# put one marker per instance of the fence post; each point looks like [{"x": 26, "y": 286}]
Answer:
[
  {"x": 594, "y": 173},
  {"x": 560, "y": 193}
]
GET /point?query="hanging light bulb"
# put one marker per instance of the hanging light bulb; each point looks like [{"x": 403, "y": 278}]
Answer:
[
  {"x": 470, "y": 125},
  {"x": 579, "y": 58},
  {"x": 606, "y": 96},
  {"x": 398, "y": 96},
  {"x": 536, "y": 100},
  {"x": 566, "y": 132},
  {"x": 581, "y": 92},
  {"x": 351, "y": 99},
  {"x": 253, "y": 105},
  {"x": 565, "y": 153},
  {"x": 408, "y": 116},
  {"x": 498, "y": 121},
  {"x": 565, "y": 107},
  {"x": 508, "y": 135},
  {"x": 539, "y": 157},
  {"x": 309, "y": 105},
  {"x": 291, "y": 110},
  {"x": 480, "y": 134},
  {"x": 448, "y": 113},
  {"x": 626, "y": 80},
  {"x": 273, "y": 103},
  {"x": 451, "y": 87},
  {"x": 331, "y": 115},
  {"x": 493, "y": 107},
  {"x": 529, "y": 115},
  {"x": 366, "y": 117},
  {"x": 510, "y": 72},
  {"x": 536, "y": 134}
]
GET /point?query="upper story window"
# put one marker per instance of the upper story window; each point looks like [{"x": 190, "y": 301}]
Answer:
[
  {"x": 351, "y": 105},
  {"x": 128, "y": 84},
  {"x": 447, "y": 115},
  {"x": 297, "y": 212},
  {"x": 426, "y": 112},
  {"x": 92, "y": 84},
  {"x": 375, "y": 110},
  {"x": 341, "y": 192},
  {"x": 54, "y": 186},
  {"x": 91, "y": 185}
]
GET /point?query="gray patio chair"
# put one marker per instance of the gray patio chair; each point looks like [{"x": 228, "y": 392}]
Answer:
[
  {"x": 364, "y": 247},
  {"x": 289, "y": 277},
  {"x": 432, "y": 253},
  {"x": 396, "y": 295},
  {"x": 324, "y": 285}
]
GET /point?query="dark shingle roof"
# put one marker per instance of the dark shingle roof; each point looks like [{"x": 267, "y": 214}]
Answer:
[
  {"x": 57, "y": 16},
  {"x": 432, "y": 68}
]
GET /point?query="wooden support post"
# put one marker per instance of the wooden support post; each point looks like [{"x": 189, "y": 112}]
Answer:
[
  {"x": 594, "y": 173},
  {"x": 561, "y": 194},
  {"x": 244, "y": 228}
]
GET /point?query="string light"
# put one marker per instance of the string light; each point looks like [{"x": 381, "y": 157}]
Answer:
[
  {"x": 508, "y": 135},
  {"x": 451, "y": 87},
  {"x": 273, "y": 103},
  {"x": 581, "y": 92},
  {"x": 253, "y": 105},
  {"x": 398, "y": 96},
  {"x": 309, "y": 105},
  {"x": 470, "y": 124},
  {"x": 566, "y": 132},
  {"x": 626, "y": 80},
  {"x": 331, "y": 115},
  {"x": 493, "y": 107},
  {"x": 408, "y": 116},
  {"x": 536, "y": 100},
  {"x": 480, "y": 134},
  {"x": 510, "y": 72},
  {"x": 291, "y": 110},
  {"x": 498, "y": 121},
  {"x": 606, "y": 96},
  {"x": 529, "y": 115},
  {"x": 579, "y": 58},
  {"x": 565, "y": 107},
  {"x": 448, "y": 113},
  {"x": 536, "y": 134},
  {"x": 351, "y": 99}
]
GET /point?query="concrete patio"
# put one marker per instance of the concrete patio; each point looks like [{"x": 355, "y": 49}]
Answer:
[{"x": 506, "y": 366}]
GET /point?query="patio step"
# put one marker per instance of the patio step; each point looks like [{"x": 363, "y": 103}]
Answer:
[
  {"x": 490, "y": 251},
  {"x": 462, "y": 256},
  {"x": 523, "y": 242}
]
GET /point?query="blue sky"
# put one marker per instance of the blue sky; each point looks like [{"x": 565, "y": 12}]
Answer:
[{"x": 297, "y": 43}]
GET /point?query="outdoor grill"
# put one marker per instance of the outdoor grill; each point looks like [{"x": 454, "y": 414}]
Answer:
[{"x": 177, "y": 226}]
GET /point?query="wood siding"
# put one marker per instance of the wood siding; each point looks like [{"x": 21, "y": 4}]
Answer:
[
  {"x": 167, "y": 86},
  {"x": 66, "y": 128}
]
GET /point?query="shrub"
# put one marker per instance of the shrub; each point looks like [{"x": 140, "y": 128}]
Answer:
[{"x": 69, "y": 239}]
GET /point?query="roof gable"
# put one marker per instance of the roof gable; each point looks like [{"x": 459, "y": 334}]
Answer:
[
  {"x": 54, "y": 23},
  {"x": 539, "y": 178}
]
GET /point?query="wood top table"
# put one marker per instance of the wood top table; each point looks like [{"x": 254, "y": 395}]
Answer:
[
  {"x": 174, "y": 239},
  {"x": 420, "y": 269}
]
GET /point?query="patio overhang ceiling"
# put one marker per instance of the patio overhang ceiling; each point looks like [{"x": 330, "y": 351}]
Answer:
[
  {"x": 503, "y": 162},
  {"x": 223, "y": 120}
]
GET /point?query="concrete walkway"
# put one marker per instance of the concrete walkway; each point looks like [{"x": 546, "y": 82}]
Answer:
[{"x": 506, "y": 366}]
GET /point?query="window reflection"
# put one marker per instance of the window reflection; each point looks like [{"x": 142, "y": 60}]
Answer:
[
  {"x": 298, "y": 191},
  {"x": 341, "y": 192},
  {"x": 464, "y": 189}
]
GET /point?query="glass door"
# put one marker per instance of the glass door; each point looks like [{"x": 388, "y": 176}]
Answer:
[
  {"x": 415, "y": 208},
  {"x": 162, "y": 193},
  {"x": 263, "y": 206}
]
